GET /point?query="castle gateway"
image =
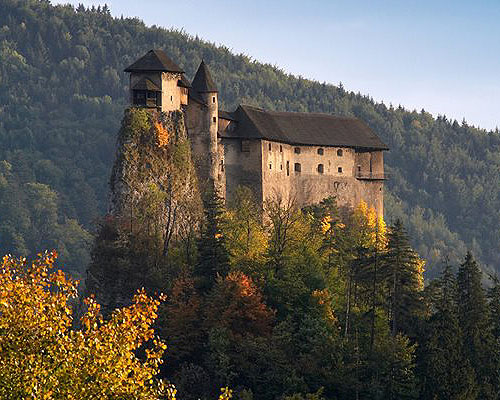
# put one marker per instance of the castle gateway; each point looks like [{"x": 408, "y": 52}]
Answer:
[{"x": 301, "y": 156}]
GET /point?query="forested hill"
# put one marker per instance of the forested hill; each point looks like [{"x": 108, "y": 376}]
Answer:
[{"x": 62, "y": 95}]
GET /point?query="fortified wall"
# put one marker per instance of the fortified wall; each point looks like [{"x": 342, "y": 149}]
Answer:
[{"x": 303, "y": 157}]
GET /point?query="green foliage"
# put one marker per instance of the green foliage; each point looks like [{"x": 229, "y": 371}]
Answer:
[{"x": 62, "y": 92}]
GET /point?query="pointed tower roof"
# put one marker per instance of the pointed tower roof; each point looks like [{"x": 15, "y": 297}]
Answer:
[
  {"x": 154, "y": 60},
  {"x": 203, "y": 81}
]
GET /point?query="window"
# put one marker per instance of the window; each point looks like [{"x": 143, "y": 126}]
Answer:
[
  {"x": 151, "y": 95},
  {"x": 281, "y": 167},
  {"x": 245, "y": 146},
  {"x": 213, "y": 99},
  {"x": 270, "y": 147},
  {"x": 297, "y": 167},
  {"x": 320, "y": 168},
  {"x": 320, "y": 151},
  {"x": 288, "y": 168},
  {"x": 222, "y": 165},
  {"x": 340, "y": 170},
  {"x": 139, "y": 98},
  {"x": 339, "y": 152},
  {"x": 281, "y": 149},
  {"x": 296, "y": 150},
  {"x": 171, "y": 98},
  {"x": 270, "y": 166},
  {"x": 214, "y": 119}
]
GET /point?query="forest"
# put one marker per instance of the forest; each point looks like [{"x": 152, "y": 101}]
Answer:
[
  {"x": 266, "y": 303},
  {"x": 63, "y": 92}
]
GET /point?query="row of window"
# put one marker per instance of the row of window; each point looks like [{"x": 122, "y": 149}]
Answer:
[
  {"x": 296, "y": 150},
  {"x": 298, "y": 168}
]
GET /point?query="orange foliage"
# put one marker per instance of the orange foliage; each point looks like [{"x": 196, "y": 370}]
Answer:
[
  {"x": 236, "y": 304},
  {"x": 42, "y": 357},
  {"x": 161, "y": 134}
]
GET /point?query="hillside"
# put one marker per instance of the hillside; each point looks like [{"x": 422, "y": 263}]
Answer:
[{"x": 62, "y": 95}]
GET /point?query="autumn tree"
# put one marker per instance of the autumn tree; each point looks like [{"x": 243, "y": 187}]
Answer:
[{"x": 42, "y": 357}]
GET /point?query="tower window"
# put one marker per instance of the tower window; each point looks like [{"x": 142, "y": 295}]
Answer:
[
  {"x": 288, "y": 168},
  {"x": 281, "y": 167},
  {"x": 296, "y": 150},
  {"x": 320, "y": 168},
  {"x": 245, "y": 146},
  {"x": 270, "y": 147},
  {"x": 297, "y": 167},
  {"x": 270, "y": 166},
  {"x": 171, "y": 98},
  {"x": 281, "y": 149},
  {"x": 214, "y": 119},
  {"x": 320, "y": 151},
  {"x": 213, "y": 99},
  {"x": 339, "y": 152},
  {"x": 339, "y": 170}
]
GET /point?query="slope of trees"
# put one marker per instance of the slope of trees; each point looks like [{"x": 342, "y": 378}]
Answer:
[{"x": 62, "y": 94}]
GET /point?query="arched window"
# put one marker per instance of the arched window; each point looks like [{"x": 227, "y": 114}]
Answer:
[
  {"x": 213, "y": 99},
  {"x": 297, "y": 167},
  {"x": 320, "y": 151},
  {"x": 320, "y": 168},
  {"x": 340, "y": 153}
]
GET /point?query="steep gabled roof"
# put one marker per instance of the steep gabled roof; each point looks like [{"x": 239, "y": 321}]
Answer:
[
  {"x": 227, "y": 115},
  {"x": 146, "y": 84},
  {"x": 203, "y": 81},
  {"x": 303, "y": 129},
  {"x": 154, "y": 60}
]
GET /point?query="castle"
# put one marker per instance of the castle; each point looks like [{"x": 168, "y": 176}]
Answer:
[{"x": 301, "y": 156}]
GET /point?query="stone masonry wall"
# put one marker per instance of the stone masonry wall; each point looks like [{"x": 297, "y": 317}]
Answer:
[{"x": 269, "y": 168}]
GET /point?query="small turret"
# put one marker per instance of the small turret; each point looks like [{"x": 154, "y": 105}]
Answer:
[{"x": 206, "y": 90}]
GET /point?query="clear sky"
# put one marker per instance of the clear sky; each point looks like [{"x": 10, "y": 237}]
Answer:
[{"x": 440, "y": 55}]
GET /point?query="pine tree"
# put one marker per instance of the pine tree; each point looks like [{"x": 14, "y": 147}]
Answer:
[
  {"x": 494, "y": 316},
  {"x": 402, "y": 269},
  {"x": 446, "y": 372},
  {"x": 213, "y": 258},
  {"x": 473, "y": 319}
]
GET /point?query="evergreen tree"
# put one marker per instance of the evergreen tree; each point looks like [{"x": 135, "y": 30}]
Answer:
[
  {"x": 446, "y": 373},
  {"x": 213, "y": 258},
  {"x": 473, "y": 319},
  {"x": 403, "y": 276},
  {"x": 494, "y": 314}
]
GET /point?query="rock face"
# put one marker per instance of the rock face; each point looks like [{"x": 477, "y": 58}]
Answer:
[{"x": 154, "y": 203}]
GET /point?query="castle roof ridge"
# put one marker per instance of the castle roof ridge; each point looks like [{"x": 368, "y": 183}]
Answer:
[
  {"x": 298, "y": 128},
  {"x": 154, "y": 60}
]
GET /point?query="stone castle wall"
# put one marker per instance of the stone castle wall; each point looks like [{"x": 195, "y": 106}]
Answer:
[{"x": 304, "y": 174}]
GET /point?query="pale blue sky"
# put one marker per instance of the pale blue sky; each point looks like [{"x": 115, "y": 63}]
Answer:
[{"x": 443, "y": 56}]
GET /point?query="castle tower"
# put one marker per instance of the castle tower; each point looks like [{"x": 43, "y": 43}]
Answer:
[
  {"x": 156, "y": 82},
  {"x": 206, "y": 90}
]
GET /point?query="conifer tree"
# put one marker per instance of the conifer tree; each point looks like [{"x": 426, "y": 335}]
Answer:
[
  {"x": 213, "y": 258},
  {"x": 473, "y": 319},
  {"x": 403, "y": 271},
  {"x": 446, "y": 372},
  {"x": 494, "y": 315}
]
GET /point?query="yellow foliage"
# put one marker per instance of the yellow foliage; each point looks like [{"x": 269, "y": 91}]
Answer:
[
  {"x": 161, "y": 134},
  {"x": 42, "y": 357},
  {"x": 372, "y": 231}
]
